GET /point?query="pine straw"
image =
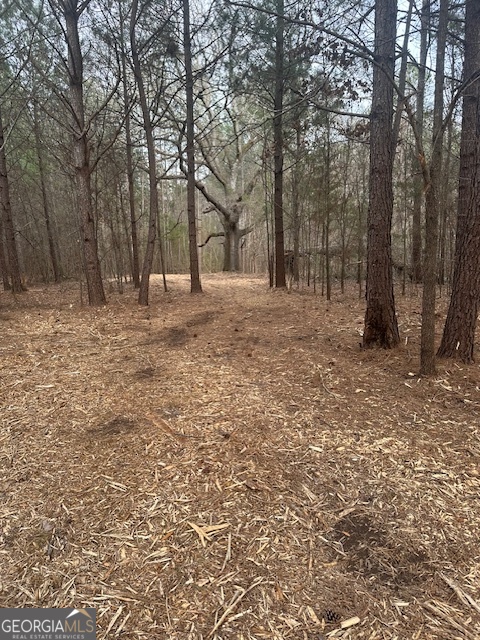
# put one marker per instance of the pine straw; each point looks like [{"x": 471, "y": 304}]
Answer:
[{"x": 233, "y": 466}]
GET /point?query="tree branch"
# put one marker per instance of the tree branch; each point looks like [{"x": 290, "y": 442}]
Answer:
[{"x": 220, "y": 234}]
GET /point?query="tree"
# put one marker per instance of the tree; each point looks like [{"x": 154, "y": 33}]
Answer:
[
  {"x": 458, "y": 337},
  {"x": 432, "y": 178},
  {"x": 225, "y": 139},
  {"x": 232, "y": 230},
  {"x": 45, "y": 200},
  {"x": 152, "y": 164},
  {"x": 9, "y": 259},
  {"x": 381, "y": 328},
  {"x": 71, "y": 11},
  {"x": 135, "y": 259},
  {"x": 227, "y": 152},
  {"x": 13, "y": 266},
  {"x": 417, "y": 267},
  {"x": 262, "y": 74},
  {"x": 278, "y": 145},
  {"x": 3, "y": 260},
  {"x": 195, "y": 285}
]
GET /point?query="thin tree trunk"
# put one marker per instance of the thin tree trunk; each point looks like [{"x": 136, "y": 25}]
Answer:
[
  {"x": 43, "y": 186},
  {"x": 130, "y": 169},
  {"x": 280, "y": 280},
  {"x": 322, "y": 260},
  {"x": 152, "y": 169},
  {"x": 445, "y": 184},
  {"x": 343, "y": 219},
  {"x": 13, "y": 265},
  {"x": 3, "y": 260},
  {"x": 267, "y": 212},
  {"x": 296, "y": 173},
  {"x": 432, "y": 192},
  {"x": 402, "y": 78},
  {"x": 361, "y": 190},
  {"x": 125, "y": 226},
  {"x": 405, "y": 221},
  {"x": 195, "y": 284},
  {"x": 328, "y": 276},
  {"x": 417, "y": 267},
  {"x": 381, "y": 328}
]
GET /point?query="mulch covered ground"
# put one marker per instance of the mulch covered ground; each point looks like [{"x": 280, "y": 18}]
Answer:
[{"x": 234, "y": 466}]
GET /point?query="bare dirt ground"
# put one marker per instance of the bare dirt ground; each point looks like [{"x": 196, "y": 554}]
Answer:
[{"x": 234, "y": 466}]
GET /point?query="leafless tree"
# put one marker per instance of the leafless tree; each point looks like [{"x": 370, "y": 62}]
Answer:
[{"x": 195, "y": 284}]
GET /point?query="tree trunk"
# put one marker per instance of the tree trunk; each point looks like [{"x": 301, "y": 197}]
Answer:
[
  {"x": 230, "y": 215},
  {"x": 444, "y": 209},
  {"x": 3, "y": 260},
  {"x": 343, "y": 219},
  {"x": 268, "y": 217},
  {"x": 235, "y": 250},
  {"x": 13, "y": 265},
  {"x": 402, "y": 78},
  {"x": 280, "y": 280},
  {"x": 81, "y": 161},
  {"x": 432, "y": 192},
  {"x": 296, "y": 179},
  {"x": 152, "y": 169},
  {"x": 43, "y": 186},
  {"x": 231, "y": 249},
  {"x": 131, "y": 206},
  {"x": 381, "y": 328},
  {"x": 470, "y": 132},
  {"x": 135, "y": 259},
  {"x": 459, "y": 333},
  {"x": 195, "y": 285},
  {"x": 326, "y": 227},
  {"x": 361, "y": 190},
  {"x": 417, "y": 267}
]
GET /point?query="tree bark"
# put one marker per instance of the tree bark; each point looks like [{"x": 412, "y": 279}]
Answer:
[
  {"x": 296, "y": 178},
  {"x": 402, "y": 78},
  {"x": 432, "y": 191},
  {"x": 280, "y": 280},
  {"x": 445, "y": 199},
  {"x": 135, "y": 258},
  {"x": 81, "y": 160},
  {"x": 3, "y": 260},
  {"x": 459, "y": 332},
  {"x": 381, "y": 328},
  {"x": 152, "y": 169},
  {"x": 131, "y": 206},
  {"x": 195, "y": 284},
  {"x": 230, "y": 215},
  {"x": 13, "y": 265},
  {"x": 327, "y": 215},
  {"x": 417, "y": 266},
  {"x": 45, "y": 202}
]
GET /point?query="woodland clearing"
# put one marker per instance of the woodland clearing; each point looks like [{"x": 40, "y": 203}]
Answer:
[{"x": 232, "y": 465}]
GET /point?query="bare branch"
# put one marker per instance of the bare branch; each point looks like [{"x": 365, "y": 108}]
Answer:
[{"x": 220, "y": 234}]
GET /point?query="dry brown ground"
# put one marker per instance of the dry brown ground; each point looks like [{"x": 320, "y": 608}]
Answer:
[{"x": 233, "y": 466}]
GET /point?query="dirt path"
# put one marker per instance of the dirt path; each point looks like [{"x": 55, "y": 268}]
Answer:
[{"x": 232, "y": 465}]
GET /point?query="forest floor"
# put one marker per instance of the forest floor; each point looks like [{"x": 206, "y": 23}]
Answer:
[{"x": 234, "y": 466}]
